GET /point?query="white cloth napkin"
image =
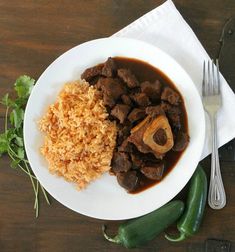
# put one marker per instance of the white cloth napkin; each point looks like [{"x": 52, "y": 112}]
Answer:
[{"x": 165, "y": 28}]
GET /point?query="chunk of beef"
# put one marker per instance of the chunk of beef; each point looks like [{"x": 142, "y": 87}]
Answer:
[
  {"x": 154, "y": 111},
  {"x": 128, "y": 77},
  {"x": 92, "y": 72},
  {"x": 181, "y": 141},
  {"x": 94, "y": 80},
  {"x": 112, "y": 89},
  {"x": 101, "y": 81},
  {"x": 171, "y": 96},
  {"x": 153, "y": 171},
  {"x": 144, "y": 157},
  {"x": 126, "y": 130},
  {"x": 174, "y": 120},
  {"x": 141, "y": 99},
  {"x": 165, "y": 106},
  {"x": 137, "y": 162},
  {"x": 126, "y": 146},
  {"x": 170, "y": 108},
  {"x": 109, "y": 69},
  {"x": 136, "y": 114},
  {"x": 120, "y": 111},
  {"x": 173, "y": 114},
  {"x": 111, "y": 86},
  {"x": 128, "y": 180},
  {"x": 120, "y": 162},
  {"x": 108, "y": 100},
  {"x": 126, "y": 100},
  {"x": 123, "y": 132},
  {"x": 152, "y": 90}
]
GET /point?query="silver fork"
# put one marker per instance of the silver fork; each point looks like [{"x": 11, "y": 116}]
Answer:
[{"x": 212, "y": 101}]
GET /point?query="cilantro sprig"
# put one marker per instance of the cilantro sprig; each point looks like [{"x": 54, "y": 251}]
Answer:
[{"x": 11, "y": 140}]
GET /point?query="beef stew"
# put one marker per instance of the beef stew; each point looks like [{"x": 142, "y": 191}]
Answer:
[{"x": 150, "y": 116}]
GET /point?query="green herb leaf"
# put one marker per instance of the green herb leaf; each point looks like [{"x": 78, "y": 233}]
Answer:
[
  {"x": 17, "y": 117},
  {"x": 23, "y": 86},
  {"x": 20, "y": 152},
  {"x": 3, "y": 143},
  {"x": 19, "y": 132},
  {"x": 20, "y": 102},
  {"x": 19, "y": 141},
  {"x": 7, "y": 101},
  {"x": 10, "y": 134}
]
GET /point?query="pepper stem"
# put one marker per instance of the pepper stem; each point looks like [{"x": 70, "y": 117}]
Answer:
[
  {"x": 115, "y": 239},
  {"x": 180, "y": 238}
]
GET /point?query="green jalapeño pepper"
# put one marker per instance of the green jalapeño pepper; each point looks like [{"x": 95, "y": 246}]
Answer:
[
  {"x": 191, "y": 219},
  {"x": 141, "y": 230}
]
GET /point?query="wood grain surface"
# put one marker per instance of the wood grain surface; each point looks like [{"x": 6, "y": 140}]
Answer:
[{"x": 34, "y": 33}]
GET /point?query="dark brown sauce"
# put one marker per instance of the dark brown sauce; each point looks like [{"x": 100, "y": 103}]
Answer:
[{"x": 146, "y": 72}]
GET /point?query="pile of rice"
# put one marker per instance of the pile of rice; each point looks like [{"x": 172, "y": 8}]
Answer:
[{"x": 79, "y": 139}]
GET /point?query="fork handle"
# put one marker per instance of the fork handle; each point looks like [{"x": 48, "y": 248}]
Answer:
[{"x": 216, "y": 196}]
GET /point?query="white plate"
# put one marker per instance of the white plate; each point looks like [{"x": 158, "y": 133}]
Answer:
[{"x": 104, "y": 198}]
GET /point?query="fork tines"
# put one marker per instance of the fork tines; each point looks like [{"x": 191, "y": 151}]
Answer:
[{"x": 211, "y": 78}]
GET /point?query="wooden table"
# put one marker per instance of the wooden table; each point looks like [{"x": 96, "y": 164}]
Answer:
[{"x": 32, "y": 35}]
